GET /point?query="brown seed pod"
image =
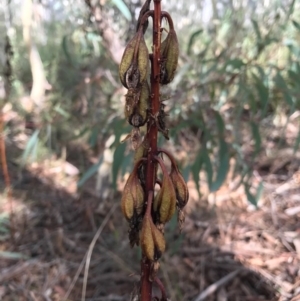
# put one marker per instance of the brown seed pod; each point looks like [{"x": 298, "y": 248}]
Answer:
[
  {"x": 182, "y": 192},
  {"x": 165, "y": 201},
  {"x": 159, "y": 241},
  {"x": 169, "y": 57},
  {"x": 133, "y": 68},
  {"x": 147, "y": 242},
  {"x": 133, "y": 197}
]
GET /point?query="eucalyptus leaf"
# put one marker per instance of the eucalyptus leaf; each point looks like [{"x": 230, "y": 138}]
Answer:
[
  {"x": 30, "y": 147},
  {"x": 89, "y": 173},
  {"x": 117, "y": 162},
  {"x": 223, "y": 167},
  {"x": 122, "y": 8},
  {"x": 196, "y": 169}
]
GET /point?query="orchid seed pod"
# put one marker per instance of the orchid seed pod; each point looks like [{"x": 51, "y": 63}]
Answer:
[
  {"x": 182, "y": 193},
  {"x": 133, "y": 197},
  {"x": 147, "y": 242},
  {"x": 165, "y": 201},
  {"x": 169, "y": 56},
  {"x": 131, "y": 100},
  {"x": 159, "y": 241},
  {"x": 133, "y": 68}
]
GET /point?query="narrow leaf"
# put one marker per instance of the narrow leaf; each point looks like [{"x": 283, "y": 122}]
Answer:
[
  {"x": 30, "y": 146},
  {"x": 251, "y": 198},
  {"x": 89, "y": 173},
  {"x": 256, "y": 137},
  {"x": 223, "y": 166},
  {"x": 122, "y": 8},
  {"x": 208, "y": 167},
  {"x": 12, "y": 255},
  {"x": 117, "y": 162},
  {"x": 196, "y": 169}
]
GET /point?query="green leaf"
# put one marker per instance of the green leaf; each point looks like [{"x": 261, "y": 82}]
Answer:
[
  {"x": 263, "y": 93},
  {"x": 12, "y": 255},
  {"x": 281, "y": 84},
  {"x": 251, "y": 198},
  {"x": 196, "y": 169},
  {"x": 223, "y": 165},
  {"x": 186, "y": 172},
  {"x": 296, "y": 146},
  {"x": 259, "y": 191},
  {"x": 235, "y": 63},
  {"x": 256, "y": 29},
  {"x": 256, "y": 137},
  {"x": 122, "y": 8},
  {"x": 94, "y": 136},
  {"x": 61, "y": 111},
  {"x": 208, "y": 166},
  {"x": 296, "y": 24},
  {"x": 220, "y": 124},
  {"x": 117, "y": 162},
  {"x": 192, "y": 40},
  {"x": 89, "y": 173},
  {"x": 30, "y": 147}
]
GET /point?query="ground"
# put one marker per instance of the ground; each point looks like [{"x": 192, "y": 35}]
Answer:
[{"x": 228, "y": 250}]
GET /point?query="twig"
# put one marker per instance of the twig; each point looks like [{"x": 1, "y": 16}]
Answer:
[
  {"x": 213, "y": 287},
  {"x": 91, "y": 248}
]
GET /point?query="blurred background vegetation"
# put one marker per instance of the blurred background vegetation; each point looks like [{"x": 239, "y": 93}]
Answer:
[{"x": 234, "y": 100}]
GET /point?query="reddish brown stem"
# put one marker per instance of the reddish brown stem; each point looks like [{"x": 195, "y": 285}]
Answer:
[
  {"x": 162, "y": 289},
  {"x": 169, "y": 155},
  {"x": 146, "y": 284}
]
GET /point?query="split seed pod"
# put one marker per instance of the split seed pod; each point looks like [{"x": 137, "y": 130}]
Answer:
[
  {"x": 169, "y": 56},
  {"x": 133, "y": 197},
  {"x": 153, "y": 243},
  {"x": 131, "y": 99},
  {"x": 182, "y": 193},
  {"x": 133, "y": 68},
  {"x": 165, "y": 201}
]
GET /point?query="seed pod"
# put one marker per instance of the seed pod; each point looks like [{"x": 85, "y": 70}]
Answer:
[
  {"x": 169, "y": 57},
  {"x": 147, "y": 242},
  {"x": 165, "y": 201},
  {"x": 135, "y": 138},
  {"x": 140, "y": 153},
  {"x": 131, "y": 99},
  {"x": 134, "y": 64},
  {"x": 159, "y": 241},
  {"x": 140, "y": 113},
  {"x": 133, "y": 197},
  {"x": 182, "y": 193}
]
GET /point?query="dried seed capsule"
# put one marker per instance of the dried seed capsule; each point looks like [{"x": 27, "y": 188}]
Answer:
[
  {"x": 133, "y": 197},
  {"x": 147, "y": 242},
  {"x": 182, "y": 193},
  {"x": 133, "y": 68},
  {"x": 140, "y": 113},
  {"x": 140, "y": 153},
  {"x": 159, "y": 241},
  {"x": 165, "y": 201},
  {"x": 169, "y": 57}
]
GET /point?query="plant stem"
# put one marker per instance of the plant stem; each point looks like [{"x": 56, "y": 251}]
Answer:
[{"x": 152, "y": 130}]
